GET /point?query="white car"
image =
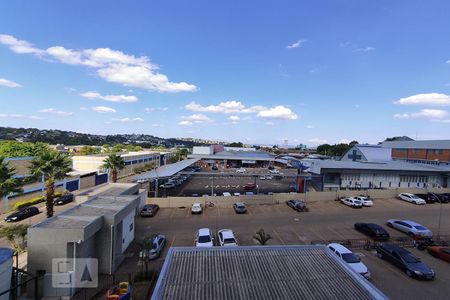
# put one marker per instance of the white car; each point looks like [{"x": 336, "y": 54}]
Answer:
[
  {"x": 411, "y": 198},
  {"x": 411, "y": 228},
  {"x": 240, "y": 170},
  {"x": 269, "y": 177},
  {"x": 196, "y": 208},
  {"x": 167, "y": 185},
  {"x": 204, "y": 238},
  {"x": 366, "y": 201},
  {"x": 236, "y": 194},
  {"x": 351, "y": 259},
  {"x": 262, "y": 177},
  {"x": 227, "y": 238},
  {"x": 226, "y": 194},
  {"x": 354, "y": 203},
  {"x": 274, "y": 171}
]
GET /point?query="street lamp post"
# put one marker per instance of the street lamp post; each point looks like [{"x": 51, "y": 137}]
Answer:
[{"x": 440, "y": 216}]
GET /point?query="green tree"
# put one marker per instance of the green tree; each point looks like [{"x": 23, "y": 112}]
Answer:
[
  {"x": 52, "y": 166},
  {"x": 88, "y": 150},
  {"x": 19, "y": 149},
  {"x": 8, "y": 184},
  {"x": 14, "y": 232},
  {"x": 236, "y": 144},
  {"x": 114, "y": 163},
  {"x": 262, "y": 237}
]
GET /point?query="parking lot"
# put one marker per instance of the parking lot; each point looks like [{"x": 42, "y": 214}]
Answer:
[
  {"x": 200, "y": 183},
  {"x": 325, "y": 220}
]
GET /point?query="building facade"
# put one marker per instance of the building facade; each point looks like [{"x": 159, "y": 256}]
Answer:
[{"x": 429, "y": 151}]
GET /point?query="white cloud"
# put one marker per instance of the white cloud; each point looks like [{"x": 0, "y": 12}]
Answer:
[
  {"x": 234, "y": 118},
  {"x": 365, "y": 49},
  {"x": 317, "y": 141},
  {"x": 424, "y": 113},
  {"x": 269, "y": 123},
  {"x": 448, "y": 62},
  {"x": 297, "y": 44},
  {"x": 19, "y": 116},
  {"x": 425, "y": 99},
  {"x": 19, "y": 46},
  {"x": 278, "y": 112},
  {"x": 442, "y": 121},
  {"x": 126, "y": 120},
  {"x": 84, "y": 108},
  {"x": 196, "y": 118},
  {"x": 152, "y": 109},
  {"x": 56, "y": 112},
  {"x": 103, "y": 109},
  {"x": 309, "y": 126},
  {"x": 345, "y": 141},
  {"x": 157, "y": 125},
  {"x": 111, "y": 98},
  {"x": 9, "y": 83},
  {"x": 185, "y": 123},
  {"x": 110, "y": 65},
  {"x": 226, "y": 107}
]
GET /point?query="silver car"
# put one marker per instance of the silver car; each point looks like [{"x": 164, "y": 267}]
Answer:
[
  {"x": 159, "y": 241},
  {"x": 410, "y": 227}
]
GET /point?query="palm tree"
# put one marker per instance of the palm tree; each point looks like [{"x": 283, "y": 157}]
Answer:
[
  {"x": 114, "y": 163},
  {"x": 12, "y": 233},
  {"x": 8, "y": 184},
  {"x": 262, "y": 237},
  {"x": 53, "y": 166}
]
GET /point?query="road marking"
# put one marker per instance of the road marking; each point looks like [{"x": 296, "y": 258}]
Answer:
[
  {"x": 187, "y": 213},
  {"x": 279, "y": 237},
  {"x": 317, "y": 234},
  {"x": 302, "y": 239},
  {"x": 337, "y": 233},
  {"x": 218, "y": 210},
  {"x": 171, "y": 213}
]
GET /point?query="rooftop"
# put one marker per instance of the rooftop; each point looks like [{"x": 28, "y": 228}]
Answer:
[
  {"x": 426, "y": 144},
  {"x": 237, "y": 155},
  {"x": 167, "y": 170},
  {"x": 255, "y": 272}
]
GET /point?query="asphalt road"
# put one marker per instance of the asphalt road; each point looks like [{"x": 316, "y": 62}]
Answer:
[{"x": 325, "y": 220}]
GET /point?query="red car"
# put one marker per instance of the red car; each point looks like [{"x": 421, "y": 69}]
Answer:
[
  {"x": 440, "y": 252},
  {"x": 249, "y": 186}
]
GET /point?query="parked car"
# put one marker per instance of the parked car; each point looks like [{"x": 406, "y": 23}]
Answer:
[
  {"x": 204, "y": 238},
  {"x": 405, "y": 260},
  {"x": 274, "y": 171},
  {"x": 236, "y": 194},
  {"x": 269, "y": 177},
  {"x": 298, "y": 205},
  {"x": 227, "y": 238},
  {"x": 428, "y": 197},
  {"x": 445, "y": 197},
  {"x": 411, "y": 198},
  {"x": 64, "y": 199},
  {"x": 249, "y": 186},
  {"x": 240, "y": 170},
  {"x": 353, "y": 203},
  {"x": 271, "y": 167},
  {"x": 240, "y": 208},
  {"x": 366, "y": 201},
  {"x": 215, "y": 168},
  {"x": 22, "y": 214},
  {"x": 196, "y": 208},
  {"x": 375, "y": 231},
  {"x": 249, "y": 193},
  {"x": 226, "y": 194},
  {"x": 440, "y": 252},
  {"x": 410, "y": 227},
  {"x": 351, "y": 259},
  {"x": 159, "y": 241},
  {"x": 262, "y": 177},
  {"x": 149, "y": 210}
]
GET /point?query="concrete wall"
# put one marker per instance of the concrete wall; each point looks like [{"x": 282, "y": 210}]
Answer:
[
  {"x": 87, "y": 182},
  {"x": 221, "y": 201}
]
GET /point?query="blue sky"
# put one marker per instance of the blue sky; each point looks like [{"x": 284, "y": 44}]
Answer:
[{"x": 257, "y": 72}]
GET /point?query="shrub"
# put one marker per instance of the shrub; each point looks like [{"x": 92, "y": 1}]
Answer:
[{"x": 32, "y": 201}]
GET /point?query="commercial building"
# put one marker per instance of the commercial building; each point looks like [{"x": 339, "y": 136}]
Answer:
[
  {"x": 231, "y": 157},
  {"x": 6, "y": 263},
  {"x": 427, "y": 151},
  {"x": 100, "y": 228},
  {"x": 259, "y": 272},
  {"x": 133, "y": 160},
  {"x": 371, "y": 166}
]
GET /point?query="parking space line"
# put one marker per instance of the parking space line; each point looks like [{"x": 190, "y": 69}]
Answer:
[
  {"x": 218, "y": 211},
  {"x": 317, "y": 234},
  {"x": 171, "y": 213},
  {"x": 173, "y": 240},
  {"x": 298, "y": 236},
  {"x": 279, "y": 237},
  {"x": 336, "y": 232}
]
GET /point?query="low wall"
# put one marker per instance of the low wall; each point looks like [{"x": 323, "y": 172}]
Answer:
[{"x": 222, "y": 201}]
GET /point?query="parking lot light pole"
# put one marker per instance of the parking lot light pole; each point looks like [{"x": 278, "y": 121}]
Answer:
[
  {"x": 212, "y": 185},
  {"x": 440, "y": 216}
]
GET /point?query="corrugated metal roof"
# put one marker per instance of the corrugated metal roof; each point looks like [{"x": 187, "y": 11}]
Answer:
[
  {"x": 259, "y": 272},
  {"x": 237, "y": 155},
  {"x": 167, "y": 170},
  {"x": 429, "y": 144},
  {"x": 370, "y": 153},
  {"x": 395, "y": 165}
]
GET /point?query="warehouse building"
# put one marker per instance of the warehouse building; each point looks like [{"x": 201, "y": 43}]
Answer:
[
  {"x": 100, "y": 228},
  {"x": 371, "y": 166},
  {"x": 259, "y": 272},
  {"x": 231, "y": 157},
  {"x": 429, "y": 151}
]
